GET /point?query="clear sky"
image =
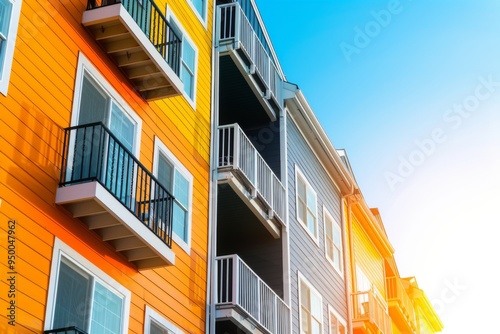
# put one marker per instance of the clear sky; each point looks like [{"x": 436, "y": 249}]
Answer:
[{"x": 411, "y": 89}]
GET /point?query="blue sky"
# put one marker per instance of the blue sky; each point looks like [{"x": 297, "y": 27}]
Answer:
[{"x": 411, "y": 89}]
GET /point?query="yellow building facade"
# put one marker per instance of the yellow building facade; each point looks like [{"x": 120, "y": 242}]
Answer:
[
  {"x": 104, "y": 174},
  {"x": 381, "y": 300}
]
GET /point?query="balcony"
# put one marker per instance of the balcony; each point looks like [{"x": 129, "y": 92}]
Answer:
[
  {"x": 243, "y": 168},
  {"x": 400, "y": 305},
  {"x": 243, "y": 298},
  {"x": 236, "y": 37},
  {"x": 370, "y": 313},
  {"x": 137, "y": 37},
  {"x": 107, "y": 188}
]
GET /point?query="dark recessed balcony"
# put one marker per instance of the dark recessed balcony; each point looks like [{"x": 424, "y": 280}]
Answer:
[
  {"x": 242, "y": 167},
  {"x": 237, "y": 37},
  {"x": 137, "y": 37},
  {"x": 107, "y": 188}
]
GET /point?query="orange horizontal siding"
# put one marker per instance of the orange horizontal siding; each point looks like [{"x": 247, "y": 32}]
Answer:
[{"x": 32, "y": 118}]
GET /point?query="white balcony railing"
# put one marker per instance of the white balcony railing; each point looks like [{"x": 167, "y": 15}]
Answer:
[
  {"x": 239, "y": 286},
  {"x": 396, "y": 292},
  {"x": 236, "y": 151},
  {"x": 369, "y": 306},
  {"x": 233, "y": 26}
]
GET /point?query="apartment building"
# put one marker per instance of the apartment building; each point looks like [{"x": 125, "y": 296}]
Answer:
[
  {"x": 104, "y": 175},
  {"x": 295, "y": 247},
  {"x": 249, "y": 289}
]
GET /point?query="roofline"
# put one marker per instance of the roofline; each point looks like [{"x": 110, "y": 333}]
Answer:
[{"x": 317, "y": 138}]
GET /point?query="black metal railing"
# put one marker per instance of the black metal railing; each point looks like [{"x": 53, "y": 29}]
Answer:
[
  {"x": 65, "y": 330},
  {"x": 93, "y": 153},
  {"x": 153, "y": 23}
]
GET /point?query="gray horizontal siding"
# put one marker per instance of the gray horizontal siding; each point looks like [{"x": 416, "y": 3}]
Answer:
[{"x": 306, "y": 256}]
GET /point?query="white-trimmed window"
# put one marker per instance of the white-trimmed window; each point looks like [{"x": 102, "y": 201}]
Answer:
[
  {"x": 336, "y": 324},
  {"x": 10, "y": 11},
  {"x": 154, "y": 323},
  {"x": 82, "y": 295},
  {"x": 189, "y": 59},
  {"x": 306, "y": 204},
  {"x": 200, "y": 8},
  {"x": 333, "y": 241},
  {"x": 179, "y": 182},
  {"x": 96, "y": 101},
  {"x": 311, "y": 308}
]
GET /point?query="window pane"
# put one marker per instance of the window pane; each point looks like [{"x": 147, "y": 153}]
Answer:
[
  {"x": 181, "y": 190},
  {"x": 72, "y": 299},
  {"x": 180, "y": 222},
  {"x": 329, "y": 249},
  {"x": 311, "y": 223},
  {"x": 93, "y": 103},
  {"x": 302, "y": 210},
  {"x": 316, "y": 327},
  {"x": 304, "y": 295},
  {"x": 305, "y": 320},
  {"x": 328, "y": 226},
  {"x": 311, "y": 201},
  {"x": 188, "y": 80},
  {"x": 5, "y": 12},
  {"x": 315, "y": 305},
  {"x": 200, "y": 7},
  {"x": 336, "y": 237},
  {"x": 165, "y": 170},
  {"x": 333, "y": 324},
  {"x": 154, "y": 328},
  {"x": 301, "y": 188},
  {"x": 336, "y": 258},
  {"x": 122, "y": 127},
  {"x": 106, "y": 311},
  {"x": 188, "y": 55}
]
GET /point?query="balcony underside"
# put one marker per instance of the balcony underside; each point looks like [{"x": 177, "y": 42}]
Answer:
[
  {"x": 261, "y": 211},
  {"x": 232, "y": 320},
  {"x": 400, "y": 317},
  {"x": 126, "y": 44},
  {"x": 105, "y": 215},
  {"x": 242, "y": 92},
  {"x": 364, "y": 327}
]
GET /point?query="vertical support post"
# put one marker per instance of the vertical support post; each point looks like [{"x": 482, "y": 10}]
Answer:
[{"x": 236, "y": 279}]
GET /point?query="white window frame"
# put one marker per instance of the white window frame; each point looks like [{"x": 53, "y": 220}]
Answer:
[
  {"x": 161, "y": 148},
  {"x": 339, "y": 268},
  {"x": 152, "y": 315},
  {"x": 298, "y": 174},
  {"x": 86, "y": 67},
  {"x": 186, "y": 39},
  {"x": 10, "y": 41},
  {"x": 200, "y": 17},
  {"x": 312, "y": 289},
  {"x": 60, "y": 250},
  {"x": 340, "y": 320}
]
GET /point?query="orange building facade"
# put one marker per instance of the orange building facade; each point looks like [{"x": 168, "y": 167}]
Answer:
[{"x": 104, "y": 173}]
